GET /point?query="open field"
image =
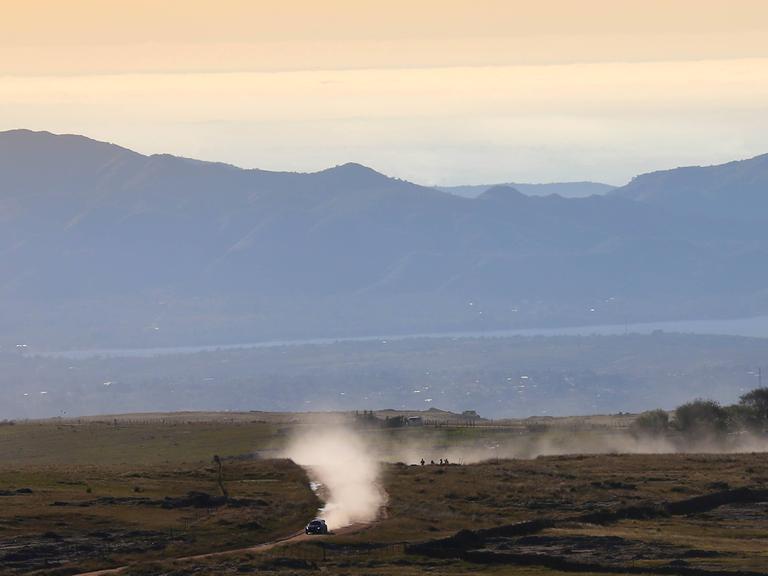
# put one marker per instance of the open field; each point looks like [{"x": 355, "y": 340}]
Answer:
[
  {"x": 120, "y": 491},
  {"x": 166, "y": 438},
  {"x": 67, "y": 516}
]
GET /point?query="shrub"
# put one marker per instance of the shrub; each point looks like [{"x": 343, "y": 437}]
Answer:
[
  {"x": 395, "y": 422},
  {"x": 701, "y": 417},
  {"x": 653, "y": 422},
  {"x": 741, "y": 417},
  {"x": 757, "y": 402}
]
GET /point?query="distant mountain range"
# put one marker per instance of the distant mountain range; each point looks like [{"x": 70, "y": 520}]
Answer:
[
  {"x": 736, "y": 190},
  {"x": 101, "y": 246},
  {"x": 564, "y": 189}
]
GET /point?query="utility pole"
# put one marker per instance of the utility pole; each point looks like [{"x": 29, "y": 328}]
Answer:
[{"x": 759, "y": 373}]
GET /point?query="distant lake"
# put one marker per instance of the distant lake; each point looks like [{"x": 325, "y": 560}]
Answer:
[{"x": 755, "y": 327}]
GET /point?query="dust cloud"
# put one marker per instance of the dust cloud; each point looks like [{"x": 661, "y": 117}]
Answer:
[
  {"x": 346, "y": 463},
  {"x": 347, "y": 469},
  {"x": 568, "y": 443}
]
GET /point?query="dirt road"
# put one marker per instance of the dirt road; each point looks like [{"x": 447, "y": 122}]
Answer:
[{"x": 292, "y": 539}]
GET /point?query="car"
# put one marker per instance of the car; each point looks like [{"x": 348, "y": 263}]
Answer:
[{"x": 317, "y": 526}]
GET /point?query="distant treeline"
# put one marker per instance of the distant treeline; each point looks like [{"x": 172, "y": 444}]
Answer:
[{"x": 707, "y": 418}]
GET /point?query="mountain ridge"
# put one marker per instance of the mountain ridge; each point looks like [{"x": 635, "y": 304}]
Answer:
[
  {"x": 102, "y": 246},
  {"x": 565, "y": 189},
  {"x": 715, "y": 190}
]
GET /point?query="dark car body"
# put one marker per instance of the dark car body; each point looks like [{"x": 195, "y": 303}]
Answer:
[{"x": 316, "y": 527}]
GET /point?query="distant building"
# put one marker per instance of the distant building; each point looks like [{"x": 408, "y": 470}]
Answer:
[{"x": 414, "y": 421}]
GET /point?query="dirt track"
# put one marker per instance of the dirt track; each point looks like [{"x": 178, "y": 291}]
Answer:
[
  {"x": 292, "y": 539},
  {"x": 296, "y": 537}
]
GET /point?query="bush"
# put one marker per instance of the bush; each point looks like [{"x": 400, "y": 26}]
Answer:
[
  {"x": 741, "y": 417},
  {"x": 756, "y": 401},
  {"x": 367, "y": 419},
  {"x": 395, "y": 422},
  {"x": 654, "y": 423},
  {"x": 701, "y": 417}
]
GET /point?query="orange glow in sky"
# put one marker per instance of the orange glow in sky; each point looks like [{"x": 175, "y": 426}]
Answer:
[{"x": 447, "y": 91}]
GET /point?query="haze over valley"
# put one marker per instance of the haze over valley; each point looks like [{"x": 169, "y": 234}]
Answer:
[{"x": 104, "y": 248}]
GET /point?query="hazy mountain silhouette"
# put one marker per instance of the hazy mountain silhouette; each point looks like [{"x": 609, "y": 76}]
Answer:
[
  {"x": 101, "y": 246},
  {"x": 564, "y": 189},
  {"x": 733, "y": 190}
]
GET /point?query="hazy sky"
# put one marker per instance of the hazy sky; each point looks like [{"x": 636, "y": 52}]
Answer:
[{"x": 437, "y": 91}]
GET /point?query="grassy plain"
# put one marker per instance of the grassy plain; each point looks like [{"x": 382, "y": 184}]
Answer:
[{"x": 79, "y": 496}]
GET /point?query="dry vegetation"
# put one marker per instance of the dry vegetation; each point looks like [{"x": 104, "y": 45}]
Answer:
[
  {"x": 85, "y": 496},
  {"x": 66, "y": 518}
]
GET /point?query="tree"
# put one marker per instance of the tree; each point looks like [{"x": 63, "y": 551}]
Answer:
[
  {"x": 743, "y": 417},
  {"x": 757, "y": 402},
  {"x": 395, "y": 422},
  {"x": 705, "y": 417},
  {"x": 220, "y": 476},
  {"x": 653, "y": 422}
]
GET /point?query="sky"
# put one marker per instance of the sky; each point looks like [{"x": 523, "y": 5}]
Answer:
[{"x": 435, "y": 91}]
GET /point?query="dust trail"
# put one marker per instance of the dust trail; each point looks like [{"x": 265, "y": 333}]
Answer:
[
  {"x": 564, "y": 442},
  {"x": 348, "y": 469}
]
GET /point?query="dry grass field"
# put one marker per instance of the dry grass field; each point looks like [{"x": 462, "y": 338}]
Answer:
[
  {"x": 82, "y": 496},
  {"x": 65, "y": 519}
]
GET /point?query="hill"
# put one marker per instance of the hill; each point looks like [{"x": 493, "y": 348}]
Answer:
[
  {"x": 564, "y": 189},
  {"x": 101, "y": 246},
  {"x": 736, "y": 190}
]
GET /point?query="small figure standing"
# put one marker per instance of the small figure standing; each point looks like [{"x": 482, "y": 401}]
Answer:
[
  {"x": 441, "y": 461},
  {"x": 422, "y": 461}
]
